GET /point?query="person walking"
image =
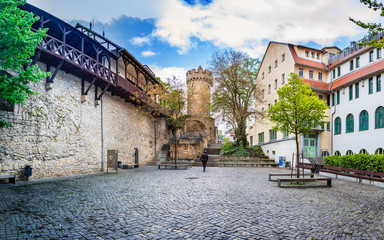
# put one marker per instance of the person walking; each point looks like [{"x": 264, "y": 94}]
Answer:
[{"x": 204, "y": 159}]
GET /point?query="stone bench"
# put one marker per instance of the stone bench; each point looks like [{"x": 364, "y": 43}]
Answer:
[
  {"x": 173, "y": 165},
  {"x": 328, "y": 180},
  {"x": 11, "y": 178},
  {"x": 285, "y": 175}
]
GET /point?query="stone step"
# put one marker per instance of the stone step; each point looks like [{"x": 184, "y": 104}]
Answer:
[
  {"x": 214, "y": 151},
  {"x": 247, "y": 164},
  {"x": 214, "y": 145},
  {"x": 247, "y": 161}
]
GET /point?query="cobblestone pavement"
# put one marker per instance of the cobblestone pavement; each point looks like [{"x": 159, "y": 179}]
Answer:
[{"x": 222, "y": 203}]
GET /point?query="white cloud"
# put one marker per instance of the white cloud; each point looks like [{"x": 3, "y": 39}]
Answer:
[
  {"x": 139, "y": 41},
  {"x": 148, "y": 53},
  {"x": 166, "y": 73},
  {"x": 246, "y": 24},
  {"x": 101, "y": 10}
]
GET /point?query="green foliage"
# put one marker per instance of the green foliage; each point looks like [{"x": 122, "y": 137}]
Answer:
[
  {"x": 298, "y": 109},
  {"x": 235, "y": 85},
  {"x": 229, "y": 148},
  {"x": 372, "y": 27},
  {"x": 357, "y": 161},
  {"x": 242, "y": 153},
  {"x": 258, "y": 149},
  {"x": 17, "y": 45}
]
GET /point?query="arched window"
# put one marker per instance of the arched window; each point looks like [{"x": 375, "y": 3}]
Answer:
[
  {"x": 337, "y": 153},
  {"x": 350, "y": 123},
  {"x": 379, "y": 117},
  {"x": 337, "y": 126},
  {"x": 379, "y": 151},
  {"x": 325, "y": 153},
  {"x": 349, "y": 152},
  {"x": 363, "y": 151},
  {"x": 363, "y": 121}
]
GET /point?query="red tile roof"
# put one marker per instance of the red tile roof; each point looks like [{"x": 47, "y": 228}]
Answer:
[
  {"x": 357, "y": 75},
  {"x": 350, "y": 56},
  {"x": 306, "y": 62},
  {"x": 317, "y": 85}
]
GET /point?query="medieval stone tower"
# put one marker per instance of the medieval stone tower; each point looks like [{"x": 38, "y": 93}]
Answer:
[{"x": 199, "y": 84}]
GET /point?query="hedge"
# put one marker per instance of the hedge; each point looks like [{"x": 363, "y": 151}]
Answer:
[{"x": 369, "y": 162}]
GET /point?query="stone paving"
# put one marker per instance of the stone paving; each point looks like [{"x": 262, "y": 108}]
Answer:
[{"x": 222, "y": 203}]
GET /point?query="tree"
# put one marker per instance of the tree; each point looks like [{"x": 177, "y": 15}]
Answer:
[
  {"x": 172, "y": 96},
  {"x": 17, "y": 46},
  {"x": 372, "y": 27},
  {"x": 297, "y": 110},
  {"x": 234, "y": 89}
]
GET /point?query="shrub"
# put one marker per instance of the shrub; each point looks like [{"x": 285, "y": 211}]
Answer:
[
  {"x": 242, "y": 153},
  {"x": 229, "y": 148},
  {"x": 258, "y": 149},
  {"x": 357, "y": 161}
]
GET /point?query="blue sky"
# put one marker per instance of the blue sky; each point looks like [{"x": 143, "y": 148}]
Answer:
[{"x": 173, "y": 36}]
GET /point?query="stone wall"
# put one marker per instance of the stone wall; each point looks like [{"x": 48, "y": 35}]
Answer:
[{"x": 58, "y": 135}]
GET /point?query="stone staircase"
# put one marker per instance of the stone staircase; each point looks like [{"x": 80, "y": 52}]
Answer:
[
  {"x": 213, "y": 152},
  {"x": 162, "y": 157},
  {"x": 247, "y": 162}
]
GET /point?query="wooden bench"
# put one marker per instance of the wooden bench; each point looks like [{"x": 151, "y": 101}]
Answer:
[
  {"x": 173, "y": 165},
  {"x": 356, "y": 173},
  {"x": 11, "y": 178},
  {"x": 329, "y": 181},
  {"x": 286, "y": 175},
  {"x": 309, "y": 166}
]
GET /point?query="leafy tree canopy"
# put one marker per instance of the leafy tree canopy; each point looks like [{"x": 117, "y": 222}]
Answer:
[{"x": 17, "y": 46}]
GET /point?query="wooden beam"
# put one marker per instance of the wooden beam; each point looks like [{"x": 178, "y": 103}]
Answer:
[
  {"x": 89, "y": 87},
  {"x": 36, "y": 58},
  {"x": 50, "y": 80},
  {"x": 102, "y": 92}
]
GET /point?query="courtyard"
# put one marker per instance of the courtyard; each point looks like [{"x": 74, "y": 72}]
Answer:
[{"x": 222, "y": 203}]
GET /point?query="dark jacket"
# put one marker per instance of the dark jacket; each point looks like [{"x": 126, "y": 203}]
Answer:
[{"x": 204, "y": 157}]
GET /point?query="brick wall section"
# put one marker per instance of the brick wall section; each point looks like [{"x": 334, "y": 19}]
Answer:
[{"x": 59, "y": 136}]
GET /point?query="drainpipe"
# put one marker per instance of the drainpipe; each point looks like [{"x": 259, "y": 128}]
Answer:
[
  {"x": 154, "y": 126},
  {"x": 332, "y": 115},
  {"x": 102, "y": 135}
]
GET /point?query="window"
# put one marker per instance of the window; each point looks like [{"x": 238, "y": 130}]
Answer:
[
  {"x": 282, "y": 78},
  {"x": 357, "y": 90},
  {"x": 351, "y": 92},
  {"x": 378, "y": 83},
  {"x": 312, "y": 55},
  {"x": 310, "y": 74},
  {"x": 262, "y": 93},
  {"x": 320, "y": 76},
  {"x": 269, "y": 69},
  {"x": 328, "y": 100},
  {"x": 269, "y": 106},
  {"x": 379, "y": 117},
  {"x": 349, "y": 152},
  {"x": 351, "y": 65},
  {"x": 269, "y": 88},
  {"x": 275, "y": 83},
  {"x": 285, "y": 134},
  {"x": 276, "y": 64},
  {"x": 262, "y": 111},
  {"x": 325, "y": 153},
  {"x": 378, "y": 53},
  {"x": 306, "y": 53},
  {"x": 322, "y": 126},
  {"x": 275, "y": 101},
  {"x": 317, "y": 56},
  {"x": 272, "y": 135},
  {"x": 350, "y": 124},
  {"x": 371, "y": 56},
  {"x": 333, "y": 99},
  {"x": 363, "y": 151},
  {"x": 338, "y": 71},
  {"x": 251, "y": 140},
  {"x": 283, "y": 57},
  {"x": 357, "y": 62},
  {"x": 262, "y": 75},
  {"x": 370, "y": 89},
  {"x": 338, "y": 97},
  {"x": 321, "y": 97},
  {"x": 261, "y": 137},
  {"x": 337, "y": 126},
  {"x": 379, "y": 151},
  {"x": 301, "y": 72},
  {"x": 363, "y": 121},
  {"x": 337, "y": 153},
  {"x": 328, "y": 126},
  {"x": 334, "y": 74}
]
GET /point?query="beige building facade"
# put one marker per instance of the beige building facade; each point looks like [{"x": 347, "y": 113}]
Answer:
[{"x": 279, "y": 61}]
